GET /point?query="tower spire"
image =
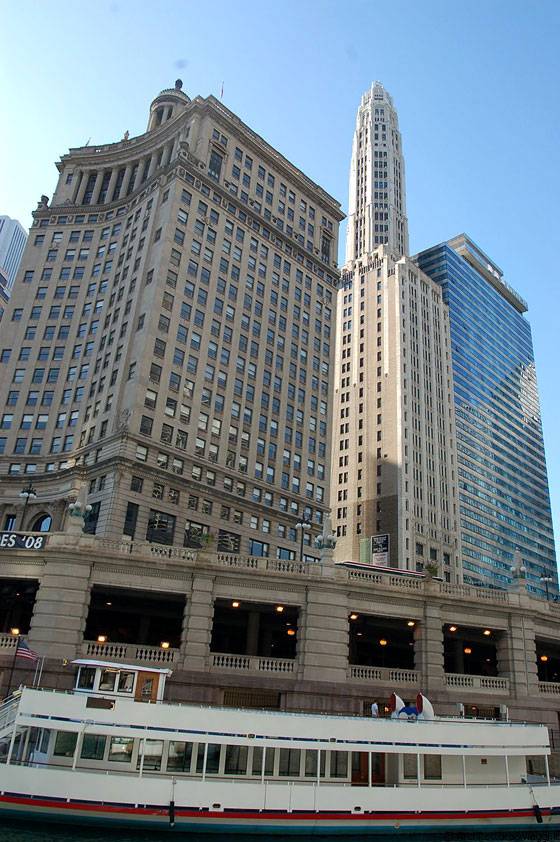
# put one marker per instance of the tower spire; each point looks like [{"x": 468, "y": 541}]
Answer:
[{"x": 377, "y": 195}]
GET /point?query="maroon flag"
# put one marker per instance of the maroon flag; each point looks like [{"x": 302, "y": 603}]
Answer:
[{"x": 23, "y": 651}]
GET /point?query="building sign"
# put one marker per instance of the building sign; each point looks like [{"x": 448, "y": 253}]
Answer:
[
  {"x": 21, "y": 541},
  {"x": 380, "y": 550}
]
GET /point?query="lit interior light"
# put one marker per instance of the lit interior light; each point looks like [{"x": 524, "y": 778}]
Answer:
[
  {"x": 235, "y": 605},
  {"x": 102, "y": 638},
  {"x": 165, "y": 644},
  {"x": 411, "y": 623},
  {"x": 544, "y": 657},
  {"x": 452, "y": 628},
  {"x": 467, "y": 650},
  {"x": 279, "y": 608},
  {"x": 291, "y": 632},
  {"x": 383, "y": 642},
  {"x": 487, "y": 632},
  {"x": 108, "y": 603},
  {"x": 14, "y": 631},
  {"x": 353, "y": 616},
  {"x": 358, "y": 634}
]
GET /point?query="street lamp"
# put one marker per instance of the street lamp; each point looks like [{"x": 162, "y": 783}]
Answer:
[
  {"x": 546, "y": 580},
  {"x": 302, "y": 524},
  {"x": 28, "y": 493}
]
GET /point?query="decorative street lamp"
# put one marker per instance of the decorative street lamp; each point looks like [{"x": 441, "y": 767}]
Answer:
[
  {"x": 546, "y": 580},
  {"x": 28, "y": 493},
  {"x": 302, "y": 524}
]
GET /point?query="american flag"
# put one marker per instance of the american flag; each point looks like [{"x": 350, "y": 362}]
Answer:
[{"x": 23, "y": 651}]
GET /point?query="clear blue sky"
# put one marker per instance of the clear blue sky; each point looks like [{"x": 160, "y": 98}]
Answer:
[{"x": 475, "y": 83}]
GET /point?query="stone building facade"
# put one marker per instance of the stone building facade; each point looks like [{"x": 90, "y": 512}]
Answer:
[
  {"x": 354, "y": 635},
  {"x": 168, "y": 340}
]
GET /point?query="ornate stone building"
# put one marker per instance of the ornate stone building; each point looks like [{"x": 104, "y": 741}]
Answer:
[{"x": 274, "y": 633}]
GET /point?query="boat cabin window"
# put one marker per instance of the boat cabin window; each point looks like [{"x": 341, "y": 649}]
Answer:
[
  {"x": 147, "y": 688},
  {"x": 212, "y": 759},
  {"x": 152, "y": 752},
  {"x": 126, "y": 682},
  {"x": 107, "y": 680},
  {"x": 120, "y": 749},
  {"x": 311, "y": 764},
  {"x": 432, "y": 767},
  {"x": 258, "y": 762},
  {"x": 179, "y": 757},
  {"x": 93, "y": 746},
  {"x": 289, "y": 763},
  {"x": 410, "y": 768},
  {"x": 86, "y": 678},
  {"x": 339, "y": 764},
  {"x": 236, "y": 760},
  {"x": 65, "y": 744}
]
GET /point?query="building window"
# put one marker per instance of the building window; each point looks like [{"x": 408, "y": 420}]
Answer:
[
  {"x": 130, "y": 518},
  {"x": 161, "y": 527},
  {"x": 258, "y": 548},
  {"x": 90, "y": 522},
  {"x": 215, "y": 165}
]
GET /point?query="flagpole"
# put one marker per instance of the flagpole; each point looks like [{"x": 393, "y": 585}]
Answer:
[
  {"x": 12, "y": 669},
  {"x": 41, "y": 671}
]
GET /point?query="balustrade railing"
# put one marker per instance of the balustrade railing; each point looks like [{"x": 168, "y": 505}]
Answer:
[
  {"x": 549, "y": 688},
  {"x": 384, "y": 675},
  {"x": 243, "y": 663},
  {"x": 476, "y": 682},
  {"x": 127, "y": 652}
]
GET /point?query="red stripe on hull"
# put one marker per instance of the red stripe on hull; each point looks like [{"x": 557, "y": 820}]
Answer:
[{"x": 272, "y": 815}]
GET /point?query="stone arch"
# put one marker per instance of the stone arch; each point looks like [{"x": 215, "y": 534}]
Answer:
[{"x": 42, "y": 523}]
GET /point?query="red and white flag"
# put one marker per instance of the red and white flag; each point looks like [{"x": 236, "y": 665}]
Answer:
[{"x": 23, "y": 651}]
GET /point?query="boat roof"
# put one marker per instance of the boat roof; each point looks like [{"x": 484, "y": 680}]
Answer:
[{"x": 86, "y": 662}]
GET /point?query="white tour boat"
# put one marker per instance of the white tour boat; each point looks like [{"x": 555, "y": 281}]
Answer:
[{"x": 101, "y": 754}]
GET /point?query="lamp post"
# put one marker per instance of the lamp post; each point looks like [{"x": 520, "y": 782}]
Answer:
[
  {"x": 302, "y": 525},
  {"x": 28, "y": 493},
  {"x": 546, "y": 580}
]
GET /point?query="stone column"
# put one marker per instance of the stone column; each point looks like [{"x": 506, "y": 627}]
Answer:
[
  {"x": 126, "y": 180},
  {"x": 78, "y": 186},
  {"x": 61, "y": 607},
  {"x": 428, "y": 648},
  {"x": 517, "y": 656},
  {"x": 97, "y": 187},
  {"x": 197, "y": 632},
  {"x": 323, "y": 636},
  {"x": 83, "y": 187},
  {"x": 111, "y": 187}
]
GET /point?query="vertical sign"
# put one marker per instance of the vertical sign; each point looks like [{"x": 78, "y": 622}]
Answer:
[{"x": 380, "y": 550}]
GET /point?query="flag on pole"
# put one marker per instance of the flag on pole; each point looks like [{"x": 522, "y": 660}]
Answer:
[
  {"x": 23, "y": 651},
  {"x": 222, "y": 93}
]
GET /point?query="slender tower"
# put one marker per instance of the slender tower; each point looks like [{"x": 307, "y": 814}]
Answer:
[
  {"x": 377, "y": 197},
  {"x": 394, "y": 482}
]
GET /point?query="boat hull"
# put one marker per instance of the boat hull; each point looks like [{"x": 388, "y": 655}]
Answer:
[{"x": 273, "y": 823}]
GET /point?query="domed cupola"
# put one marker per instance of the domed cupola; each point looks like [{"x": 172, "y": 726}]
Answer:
[{"x": 166, "y": 105}]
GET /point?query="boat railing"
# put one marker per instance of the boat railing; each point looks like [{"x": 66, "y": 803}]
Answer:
[
  {"x": 8, "y": 711},
  {"x": 298, "y": 712},
  {"x": 535, "y": 781}
]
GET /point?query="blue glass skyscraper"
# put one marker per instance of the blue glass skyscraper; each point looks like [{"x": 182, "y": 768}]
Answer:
[{"x": 503, "y": 486}]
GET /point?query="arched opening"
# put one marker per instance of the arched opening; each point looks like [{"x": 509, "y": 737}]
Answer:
[{"x": 43, "y": 523}]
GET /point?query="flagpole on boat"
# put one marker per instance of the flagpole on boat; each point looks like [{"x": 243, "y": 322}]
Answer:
[{"x": 12, "y": 669}]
